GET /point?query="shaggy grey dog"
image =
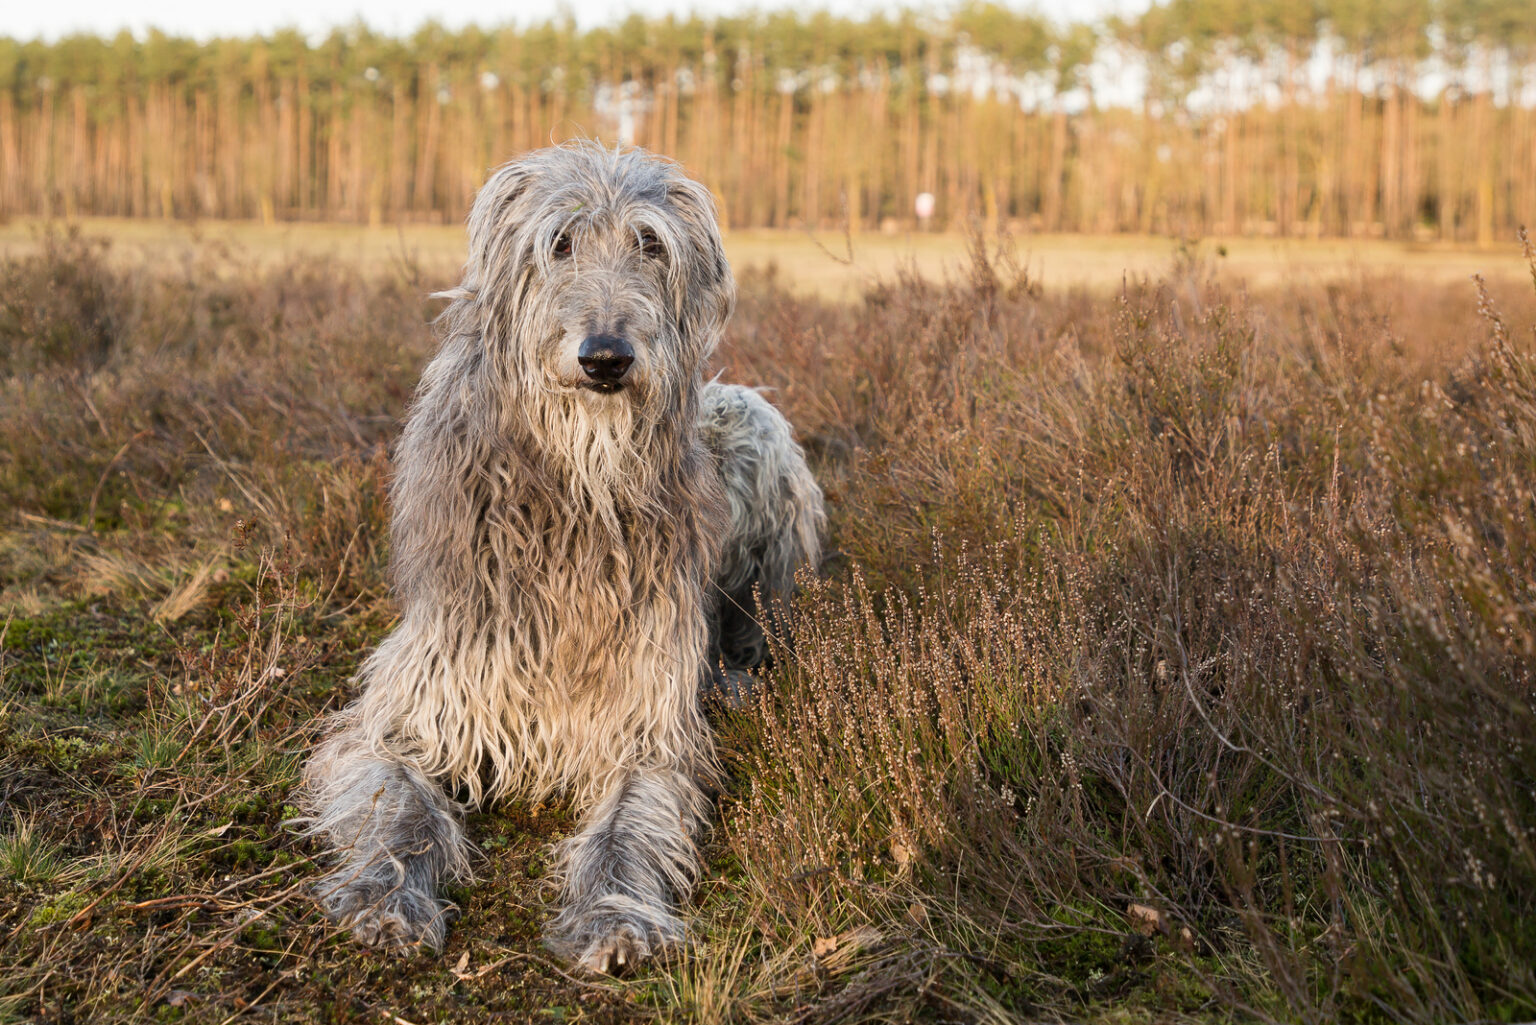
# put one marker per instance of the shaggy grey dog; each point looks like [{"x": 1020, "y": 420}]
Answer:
[{"x": 581, "y": 526}]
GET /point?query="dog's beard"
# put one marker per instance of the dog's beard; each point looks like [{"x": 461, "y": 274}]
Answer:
[{"x": 604, "y": 441}]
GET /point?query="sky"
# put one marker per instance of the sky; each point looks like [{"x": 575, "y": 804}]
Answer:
[{"x": 202, "y": 19}]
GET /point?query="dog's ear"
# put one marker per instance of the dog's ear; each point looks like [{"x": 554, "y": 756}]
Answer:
[
  {"x": 709, "y": 292},
  {"x": 492, "y": 225}
]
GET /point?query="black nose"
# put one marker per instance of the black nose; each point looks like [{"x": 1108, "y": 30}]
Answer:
[{"x": 605, "y": 358}]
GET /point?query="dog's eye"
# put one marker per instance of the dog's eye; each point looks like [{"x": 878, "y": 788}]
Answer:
[
  {"x": 651, "y": 246},
  {"x": 562, "y": 247}
]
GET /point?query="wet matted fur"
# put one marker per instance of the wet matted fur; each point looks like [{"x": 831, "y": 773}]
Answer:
[{"x": 580, "y": 524}]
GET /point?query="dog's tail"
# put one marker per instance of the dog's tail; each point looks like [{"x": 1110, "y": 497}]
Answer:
[{"x": 777, "y": 521}]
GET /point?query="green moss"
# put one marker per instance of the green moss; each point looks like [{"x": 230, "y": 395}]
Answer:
[
  {"x": 70, "y": 754},
  {"x": 59, "y": 909},
  {"x": 263, "y": 934}
]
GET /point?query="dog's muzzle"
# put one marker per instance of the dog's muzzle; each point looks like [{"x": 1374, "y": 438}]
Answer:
[{"x": 605, "y": 359}]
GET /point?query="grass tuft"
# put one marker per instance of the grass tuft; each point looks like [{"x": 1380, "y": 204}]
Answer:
[{"x": 28, "y": 856}]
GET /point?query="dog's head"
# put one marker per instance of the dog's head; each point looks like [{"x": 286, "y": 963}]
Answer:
[{"x": 598, "y": 276}]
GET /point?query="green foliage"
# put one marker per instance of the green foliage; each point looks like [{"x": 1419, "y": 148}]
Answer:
[
  {"x": 808, "y": 118},
  {"x": 786, "y": 40}
]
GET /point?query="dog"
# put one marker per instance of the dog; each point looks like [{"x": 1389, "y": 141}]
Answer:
[{"x": 582, "y": 531}]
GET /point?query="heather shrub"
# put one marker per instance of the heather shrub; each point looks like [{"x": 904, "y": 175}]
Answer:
[
  {"x": 1230, "y": 626},
  {"x": 266, "y": 395},
  {"x": 62, "y": 309}
]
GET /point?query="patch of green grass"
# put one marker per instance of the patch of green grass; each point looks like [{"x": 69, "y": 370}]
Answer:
[
  {"x": 157, "y": 744},
  {"x": 87, "y": 693},
  {"x": 27, "y": 855}
]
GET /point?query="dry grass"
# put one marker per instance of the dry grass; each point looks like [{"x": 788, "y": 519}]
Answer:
[{"x": 1173, "y": 659}]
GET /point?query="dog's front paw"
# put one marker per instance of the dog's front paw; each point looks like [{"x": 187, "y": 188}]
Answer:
[
  {"x": 612, "y": 934},
  {"x": 623, "y": 948},
  {"x": 379, "y": 914}
]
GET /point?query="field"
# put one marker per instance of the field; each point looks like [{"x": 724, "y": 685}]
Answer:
[
  {"x": 825, "y": 264},
  {"x": 1174, "y": 657}
]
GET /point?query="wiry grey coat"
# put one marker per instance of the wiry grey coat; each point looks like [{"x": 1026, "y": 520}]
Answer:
[{"x": 571, "y": 555}]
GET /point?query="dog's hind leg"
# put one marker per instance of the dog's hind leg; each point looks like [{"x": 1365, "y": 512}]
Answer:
[
  {"x": 625, "y": 872},
  {"x": 777, "y": 519},
  {"x": 395, "y": 834}
]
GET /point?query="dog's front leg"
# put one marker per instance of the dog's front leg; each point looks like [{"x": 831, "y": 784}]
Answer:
[
  {"x": 394, "y": 834},
  {"x": 625, "y": 872}
]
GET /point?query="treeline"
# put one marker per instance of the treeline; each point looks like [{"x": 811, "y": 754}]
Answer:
[{"x": 1338, "y": 117}]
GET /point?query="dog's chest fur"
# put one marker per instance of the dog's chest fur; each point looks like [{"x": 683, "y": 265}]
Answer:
[{"x": 584, "y": 583}]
